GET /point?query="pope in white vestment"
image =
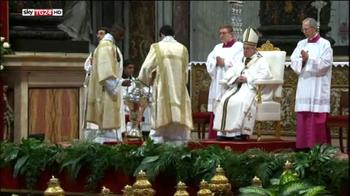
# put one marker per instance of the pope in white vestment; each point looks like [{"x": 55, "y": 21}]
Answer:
[
  {"x": 312, "y": 60},
  {"x": 236, "y": 112},
  {"x": 165, "y": 68}
]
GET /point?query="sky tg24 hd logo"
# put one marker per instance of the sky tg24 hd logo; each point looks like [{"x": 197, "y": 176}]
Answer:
[{"x": 42, "y": 12}]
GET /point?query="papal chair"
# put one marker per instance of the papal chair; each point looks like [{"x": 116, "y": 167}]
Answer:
[{"x": 269, "y": 92}]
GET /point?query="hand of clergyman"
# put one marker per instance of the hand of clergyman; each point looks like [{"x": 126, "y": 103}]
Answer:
[{"x": 220, "y": 61}]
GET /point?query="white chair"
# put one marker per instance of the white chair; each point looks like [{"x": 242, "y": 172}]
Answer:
[{"x": 269, "y": 92}]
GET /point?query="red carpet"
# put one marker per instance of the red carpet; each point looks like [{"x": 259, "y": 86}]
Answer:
[{"x": 241, "y": 146}]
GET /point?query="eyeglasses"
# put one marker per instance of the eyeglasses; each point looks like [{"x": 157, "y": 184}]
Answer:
[
  {"x": 305, "y": 29},
  {"x": 248, "y": 48},
  {"x": 222, "y": 33}
]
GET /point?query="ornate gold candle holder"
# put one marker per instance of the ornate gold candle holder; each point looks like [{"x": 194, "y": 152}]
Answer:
[
  {"x": 256, "y": 182},
  {"x": 127, "y": 190},
  {"x": 54, "y": 187},
  {"x": 181, "y": 189},
  {"x": 105, "y": 191},
  {"x": 288, "y": 175},
  {"x": 204, "y": 189},
  {"x": 142, "y": 187},
  {"x": 287, "y": 166},
  {"x": 219, "y": 183}
]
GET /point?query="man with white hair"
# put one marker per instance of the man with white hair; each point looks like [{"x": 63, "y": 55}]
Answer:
[
  {"x": 236, "y": 112},
  {"x": 312, "y": 61}
]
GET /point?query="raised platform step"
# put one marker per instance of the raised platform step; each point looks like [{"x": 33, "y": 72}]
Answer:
[
  {"x": 242, "y": 146},
  {"x": 270, "y": 145}
]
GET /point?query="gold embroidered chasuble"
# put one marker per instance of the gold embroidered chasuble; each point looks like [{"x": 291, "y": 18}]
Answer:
[
  {"x": 166, "y": 69},
  {"x": 104, "y": 109}
]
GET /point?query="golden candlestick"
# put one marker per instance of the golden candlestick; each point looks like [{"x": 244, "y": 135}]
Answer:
[
  {"x": 288, "y": 175},
  {"x": 256, "y": 182},
  {"x": 142, "y": 187},
  {"x": 181, "y": 189},
  {"x": 54, "y": 187},
  {"x": 105, "y": 191},
  {"x": 287, "y": 167},
  {"x": 127, "y": 190},
  {"x": 204, "y": 189},
  {"x": 219, "y": 183}
]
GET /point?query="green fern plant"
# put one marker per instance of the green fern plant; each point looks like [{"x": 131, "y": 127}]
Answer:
[
  {"x": 79, "y": 154},
  {"x": 320, "y": 167},
  {"x": 287, "y": 185},
  {"x": 29, "y": 159}
]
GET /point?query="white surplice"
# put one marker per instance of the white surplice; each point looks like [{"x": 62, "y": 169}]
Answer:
[
  {"x": 233, "y": 56},
  {"x": 235, "y": 114},
  {"x": 314, "y": 82}
]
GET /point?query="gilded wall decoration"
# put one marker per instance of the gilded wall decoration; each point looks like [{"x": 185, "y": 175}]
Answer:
[{"x": 200, "y": 80}]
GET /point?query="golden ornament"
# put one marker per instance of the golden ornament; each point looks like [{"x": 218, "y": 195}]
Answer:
[
  {"x": 181, "y": 189},
  {"x": 127, "y": 190},
  {"x": 256, "y": 182},
  {"x": 142, "y": 187},
  {"x": 219, "y": 183},
  {"x": 105, "y": 191},
  {"x": 204, "y": 189},
  {"x": 54, "y": 187}
]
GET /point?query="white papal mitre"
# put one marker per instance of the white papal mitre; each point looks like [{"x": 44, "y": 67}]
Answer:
[{"x": 250, "y": 37}]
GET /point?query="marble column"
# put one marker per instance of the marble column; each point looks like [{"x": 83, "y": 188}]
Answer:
[
  {"x": 181, "y": 23},
  {"x": 163, "y": 16},
  {"x": 141, "y": 30}
]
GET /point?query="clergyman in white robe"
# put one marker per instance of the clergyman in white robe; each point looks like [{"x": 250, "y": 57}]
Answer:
[
  {"x": 224, "y": 56},
  {"x": 312, "y": 102},
  {"x": 233, "y": 56}
]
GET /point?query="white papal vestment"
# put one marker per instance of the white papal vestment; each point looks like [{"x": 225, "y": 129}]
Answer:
[{"x": 236, "y": 112}]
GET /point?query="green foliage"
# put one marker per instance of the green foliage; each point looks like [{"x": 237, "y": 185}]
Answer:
[
  {"x": 287, "y": 185},
  {"x": 252, "y": 191},
  {"x": 8, "y": 153},
  {"x": 318, "y": 167},
  {"x": 75, "y": 156},
  {"x": 29, "y": 159}
]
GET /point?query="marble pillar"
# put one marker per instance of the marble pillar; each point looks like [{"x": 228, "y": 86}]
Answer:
[
  {"x": 181, "y": 22},
  {"x": 141, "y": 30}
]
